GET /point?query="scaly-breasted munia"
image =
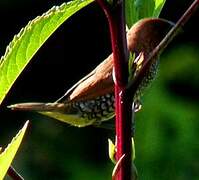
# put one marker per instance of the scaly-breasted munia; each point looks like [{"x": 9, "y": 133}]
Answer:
[{"x": 91, "y": 100}]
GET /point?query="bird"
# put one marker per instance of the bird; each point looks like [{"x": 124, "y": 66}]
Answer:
[{"x": 91, "y": 100}]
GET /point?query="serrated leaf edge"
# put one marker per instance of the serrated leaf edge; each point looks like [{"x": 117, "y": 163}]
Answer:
[
  {"x": 28, "y": 27},
  {"x": 16, "y": 39},
  {"x": 19, "y": 135},
  {"x": 22, "y": 130}
]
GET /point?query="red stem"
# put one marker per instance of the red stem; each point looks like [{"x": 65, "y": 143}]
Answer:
[
  {"x": 13, "y": 174},
  {"x": 123, "y": 104},
  {"x": 123, "y": 100}
]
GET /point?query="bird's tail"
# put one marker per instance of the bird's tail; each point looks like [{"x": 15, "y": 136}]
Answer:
[
  {"x": 60, "y": 111},
  {"x": 37, "y": 106}
]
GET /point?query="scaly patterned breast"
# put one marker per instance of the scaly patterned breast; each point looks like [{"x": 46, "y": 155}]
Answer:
[{"x": 100, "y": 109}]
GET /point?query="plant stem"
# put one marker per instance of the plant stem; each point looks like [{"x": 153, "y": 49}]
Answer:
[
  {"x": 124, "y": 96},
  {"x": 123, "y": 104},
  {"x": 13, "y": 174}
]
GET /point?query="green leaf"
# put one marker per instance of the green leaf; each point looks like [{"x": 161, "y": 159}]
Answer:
[
  {"x": 131, "y": 66},
  {"x": 111, "y": 150},
  {"x": 139, "y": 9},
  {"x": 130, "y": 13},
  {"x": 8, "y": 154},
  {"x": 158, "y": 7},
  {"x": 145, "y": 8},
  {"x": 28, "y": 41}
]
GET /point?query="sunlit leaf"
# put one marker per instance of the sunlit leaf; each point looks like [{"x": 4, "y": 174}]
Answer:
[
  {"x": 139, "y": 9},
  {"x": 8, "y": 154},
  {"x": 144, "y": 8},
  {"x": 158, "y": 7},
  {"x": 111, "y": 150},
  {"x": 28, "y": 41},
  {"x": 131, "y": 13}
]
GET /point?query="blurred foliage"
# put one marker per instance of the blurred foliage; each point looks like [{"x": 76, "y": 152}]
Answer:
[
  {"x": 167, "y": 133},
  {"x": 167, "y": 128}
]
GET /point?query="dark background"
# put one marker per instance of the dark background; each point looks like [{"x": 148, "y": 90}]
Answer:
[{"x": 167, "y": 129}]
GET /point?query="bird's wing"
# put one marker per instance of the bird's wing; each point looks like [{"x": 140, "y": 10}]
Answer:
[{"x": 97, "y": 83}]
